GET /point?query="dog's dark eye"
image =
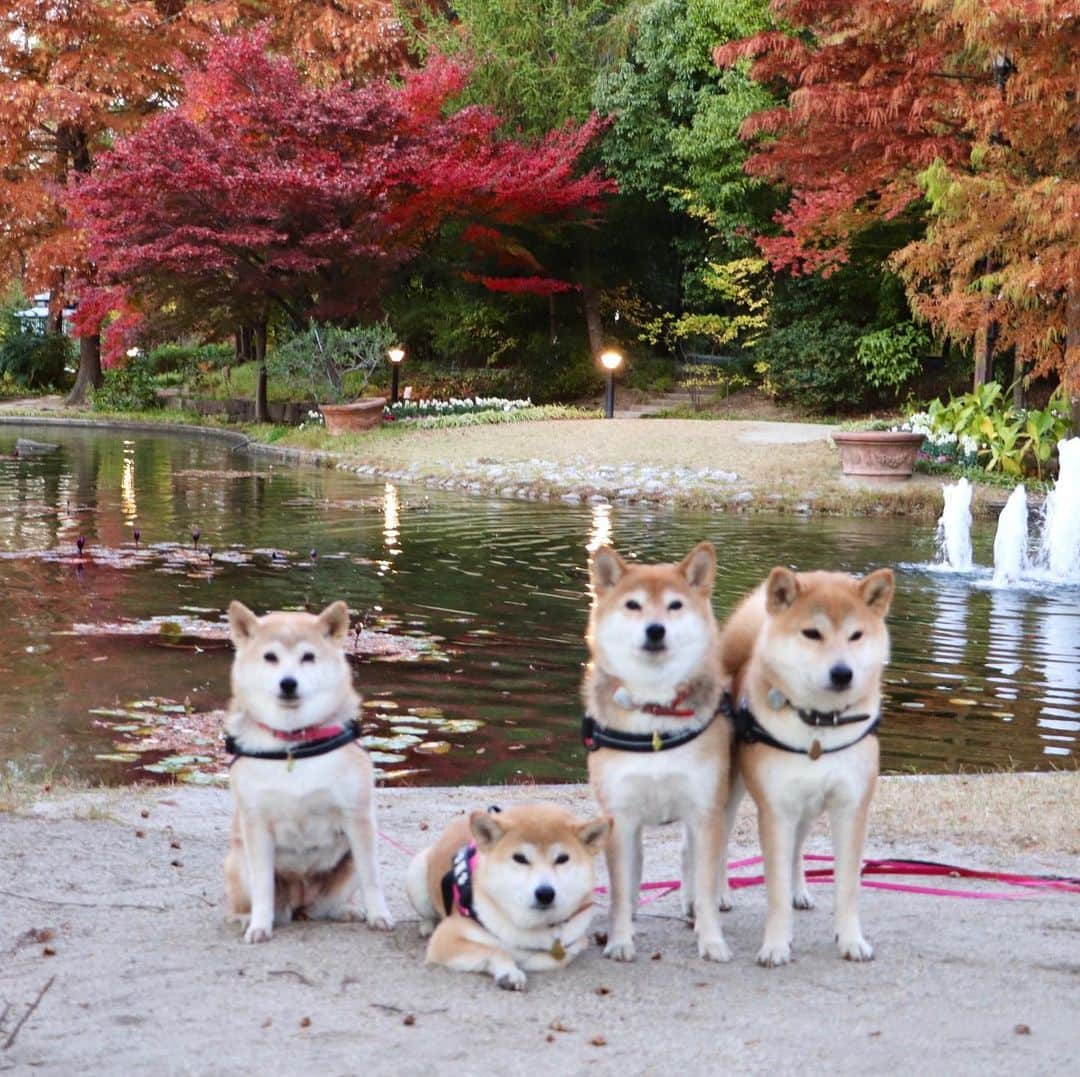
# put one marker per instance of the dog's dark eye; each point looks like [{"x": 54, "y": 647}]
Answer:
[
  {"x": 520, "y": 858},
  {"x": 307, "y": 656},
  {"x": 676, "y": 605},
  {"x": 562, "y": 858},
  {"x": 633, "y": 604},
  {"x": 811, "y": 633},
  {"x": 270, "y": 657},
  {"x": 855, "y": 635}
]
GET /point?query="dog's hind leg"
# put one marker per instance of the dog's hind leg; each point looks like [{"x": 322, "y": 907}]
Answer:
[
  {"x": 624, "y": 875},
  {"x": 800, "y": 893},
  {"x": 416, "y": 886},
  {"x": 687, "y": 879},
  {"x": 731, "y": 811}
]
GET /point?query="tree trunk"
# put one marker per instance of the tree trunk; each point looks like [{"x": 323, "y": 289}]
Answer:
[
  {"x": 553, "y": 334},
  {"x": 1019, "y": 391},
  {"x": 983, "y": 355},
  {"x": 89, "y": 376},
  {"x": 262, "y": 412},
  {"x": 1071, "y": 376},
  {"x": 593, "y": 322}
]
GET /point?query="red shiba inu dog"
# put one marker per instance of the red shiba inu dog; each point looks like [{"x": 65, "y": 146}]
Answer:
[
  {"x": 806, "y": 652},
  {"x": 303, "y": 836},
  {"x": 511, "y": 891},
  {"x": 659, "y": 752}
]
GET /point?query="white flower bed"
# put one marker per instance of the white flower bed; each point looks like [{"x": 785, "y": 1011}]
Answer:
[
  {"x": 422, "y": 409},
  {"x": 941, "y": 443}
]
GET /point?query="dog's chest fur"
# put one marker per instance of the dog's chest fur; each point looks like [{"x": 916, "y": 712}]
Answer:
[
  {"x": 658, "y": 787},
  {"x": 304, "y": 808}
]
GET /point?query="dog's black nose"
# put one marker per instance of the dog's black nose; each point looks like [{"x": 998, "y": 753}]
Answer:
[
  {"x": 840, "y": 676},
  {"x": 287, "y": 685},
  {"x": 544, "y": 895},
  {"x": 654, "y": 633}
]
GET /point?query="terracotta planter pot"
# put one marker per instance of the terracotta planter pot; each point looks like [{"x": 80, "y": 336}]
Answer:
[
  {"x": 878, "y": 454},
  {"x": 348, "y": 418}
]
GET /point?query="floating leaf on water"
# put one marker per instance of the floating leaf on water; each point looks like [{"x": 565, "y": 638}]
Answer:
[
  {"x": 460, "y": 725},
  {"x": 116, "y": 757},
  {"x": 198, "y": 777},
  {"x": 380, "y": 704},
  {"x": 965, "y": 702},
  {"x": 395, "y": 775},
  {"x": 409, "y": 729},
  {"x": 390, "y": 744},
  {"x": 386, "y": 757},
  {"x": 433, "y": 747},
  {"x": 426, "y": 712},
  {"x": 170, "y": 628},
  {"x": 108, "y": 712}
]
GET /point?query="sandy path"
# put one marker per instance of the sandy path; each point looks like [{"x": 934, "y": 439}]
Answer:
[{"x": 148, "y": 977}]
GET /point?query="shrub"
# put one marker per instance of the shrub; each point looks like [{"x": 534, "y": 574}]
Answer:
[
  {"x": 29, "y": 357},
  {"x": 812, "y": 363},
  {"x": 186, "y": 358},
  {"x": 892, "y": 356},
  {"x": 126, "y": 388},
  {"x": 333, "y": 361}
]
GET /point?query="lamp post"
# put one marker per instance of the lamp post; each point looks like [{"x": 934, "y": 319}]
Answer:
[
  {"x": 396, "y": 354},
  {"x": 611, "y": 360}
]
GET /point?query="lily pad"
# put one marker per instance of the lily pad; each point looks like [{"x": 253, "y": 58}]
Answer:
[
  {"x": 460, "y": 725},
  {"x": 390, "y": 744},
  {"x": 433, "y": 747},
  {"x": 386, "y": 757}
]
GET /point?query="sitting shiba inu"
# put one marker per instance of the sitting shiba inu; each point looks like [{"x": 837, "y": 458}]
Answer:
[
  {"x": 303, "y": 835},
  {"x": 512, "y": 891},
  {"x": 658, "y": 750},
  {"x": 806, "y": 652}
]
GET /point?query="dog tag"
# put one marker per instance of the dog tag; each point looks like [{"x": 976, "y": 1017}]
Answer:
[
  {"x": 557, "y": 951},
  {"x": 775, "y": 698},
  {"x": 289, "y": 764},
  {"x": 657, "y": 740},
  {"x": 815, "y": 750}
]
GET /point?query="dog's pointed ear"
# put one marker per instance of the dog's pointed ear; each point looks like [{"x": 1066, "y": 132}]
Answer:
[
  {"x": 242, "y": 622},
  {"x": 594, "y": 834},
  {"x": 699, "y": 567},
  {"x": 877, "y": 590},
  {"x": 781, "y": 589},
  {"x": 606, "y": 568},
  {"x": 485, "y": 829},
  {"x": 334, "y": 621}
]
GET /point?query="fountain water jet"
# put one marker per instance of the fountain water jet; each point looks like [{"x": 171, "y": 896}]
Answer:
[
  {"x": 954, "y": 527},
  {"x": 1059, "y": 548},
  {"x": 1011, "y": 540}
]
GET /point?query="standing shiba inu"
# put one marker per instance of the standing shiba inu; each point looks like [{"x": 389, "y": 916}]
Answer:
[
  {"x": 513, "y": 891},
  {"x": 658, "y": 750},
  {"x": 806, "y": 652},
  {"x": 303, "y": 835}
]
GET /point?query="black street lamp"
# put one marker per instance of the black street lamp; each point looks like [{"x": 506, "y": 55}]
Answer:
[
  {"x": 611, "y": 360},
  {"x": 396, "y": 354}
]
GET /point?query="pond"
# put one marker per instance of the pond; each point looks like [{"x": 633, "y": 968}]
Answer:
[{"x": 488, "y": 597}]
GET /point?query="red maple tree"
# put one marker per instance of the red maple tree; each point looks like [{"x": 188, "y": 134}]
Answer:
[
  {"x": 260, "y": 192},
  {"x": 973, "y": 106}
]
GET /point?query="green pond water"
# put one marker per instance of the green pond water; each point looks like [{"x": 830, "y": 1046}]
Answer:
[{"x": 491, "y": 594}]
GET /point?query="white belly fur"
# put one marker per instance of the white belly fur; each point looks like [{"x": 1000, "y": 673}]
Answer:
[{"x": 658, "y": 788}]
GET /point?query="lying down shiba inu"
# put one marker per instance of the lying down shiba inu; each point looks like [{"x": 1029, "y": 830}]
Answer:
[
  {"x": 511, "y": 891},
  {"x": 659, "y": 750},
  {"x": 303, "y": 835},
  {"x": 806, "y": 653}
]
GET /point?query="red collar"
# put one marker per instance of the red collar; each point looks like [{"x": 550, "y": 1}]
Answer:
[
  {"x": 306, "y": 733},
  {"x": 674, "y": 709}
]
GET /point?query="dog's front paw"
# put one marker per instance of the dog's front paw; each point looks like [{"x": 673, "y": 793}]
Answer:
[
  {"x": 714, "y": 949},
  {"x": 773, "y": 954},
  {"x": 620, "y": 950},
  {"x": 380, "y": 921},
  {"x": 258, "y": 933},
  {"x": 802, "y": 900},
  {"x": 856, "y": 949},
  {"x": 726, "y": 902},
  {"x": 426, "y": 928},
  {"x": 511, "y": 979}
]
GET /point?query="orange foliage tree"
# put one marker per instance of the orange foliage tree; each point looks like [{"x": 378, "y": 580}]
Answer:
[
  {"x": 970, "y": 106},
  {"x": 75, "y": 75}
]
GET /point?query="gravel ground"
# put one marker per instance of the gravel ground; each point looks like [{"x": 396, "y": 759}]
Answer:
[{"x": 112, "y": 901}]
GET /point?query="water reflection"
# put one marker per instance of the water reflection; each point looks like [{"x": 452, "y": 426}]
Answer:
[
  {"x": 391, "y": 527},
  {"x": 1057, "y": 631},
  {"x": 601, "y": 532}
]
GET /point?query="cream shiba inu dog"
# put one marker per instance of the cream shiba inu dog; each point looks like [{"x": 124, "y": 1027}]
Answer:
[
  {"x": 806, "y": 652},
  {"x": 512, "y": 891},
  {"x": 658, "y": 750},
  {"x": 303, "y": 835}
]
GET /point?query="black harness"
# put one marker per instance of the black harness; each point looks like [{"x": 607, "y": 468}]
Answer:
[
  {"x": 457, "y": 885},
  {"x": 750, "y": 731},
  {"x": 594, "y": 736},
  {"x": 301, "y": 751}
]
